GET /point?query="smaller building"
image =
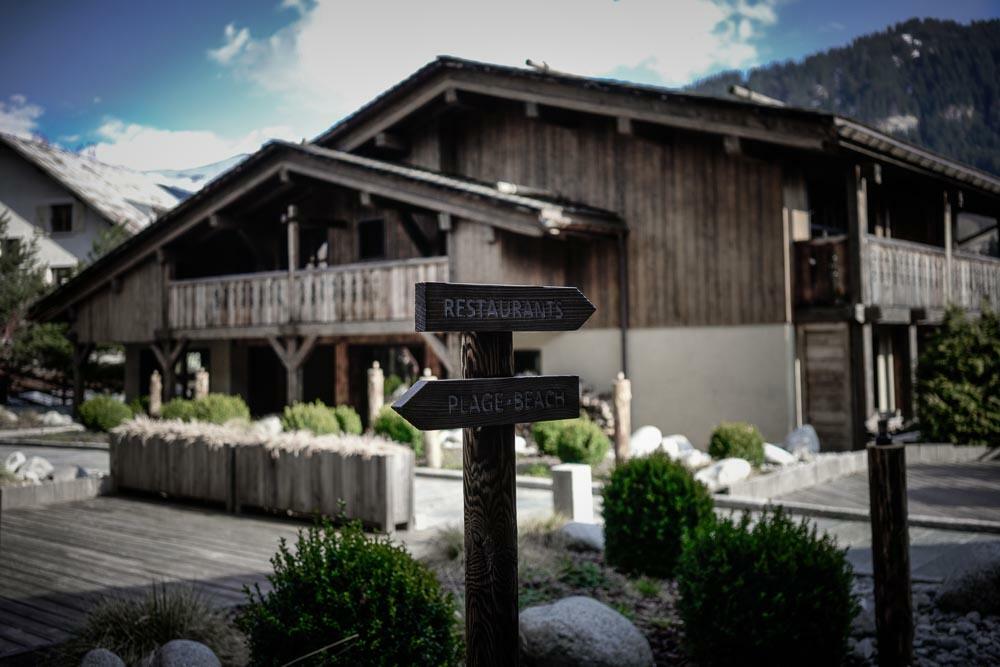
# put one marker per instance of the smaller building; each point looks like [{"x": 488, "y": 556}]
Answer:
[{"x": 67, "y": 201}]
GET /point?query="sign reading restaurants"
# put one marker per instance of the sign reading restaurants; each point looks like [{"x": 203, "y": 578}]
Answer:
[{"x": 471, "y": 307}]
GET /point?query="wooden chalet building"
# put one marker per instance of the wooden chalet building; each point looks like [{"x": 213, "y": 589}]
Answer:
[{"x": 747, "y": 261}]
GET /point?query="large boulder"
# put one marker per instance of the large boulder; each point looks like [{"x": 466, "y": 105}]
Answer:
[
  {"x": 36, "y": 469},
  {"x": 802, "y": 438},
  {"x": 645, "y": 441},
  {"x": 101, "y": 657},
  {"x": 724, "y": 473},
  {"x": 676, "y": 446},
  {"x": 777, "y": 455},
  {"x": 14, "y": 461},
  {"x": 53, "y": 418},
  {"x": 580, "y": 631},
  {"x": 695, "y": 459},
  {"x": 185, "y": 653},
  {"x": 583, "y": 536}
]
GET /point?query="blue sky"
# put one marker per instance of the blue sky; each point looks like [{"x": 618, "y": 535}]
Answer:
[{"x": 174, "y": 85}]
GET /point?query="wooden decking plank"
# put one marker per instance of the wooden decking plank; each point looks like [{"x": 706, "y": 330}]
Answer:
[
  {"x": 32, "y": 614},
  {"x": 36, "y": 606}
]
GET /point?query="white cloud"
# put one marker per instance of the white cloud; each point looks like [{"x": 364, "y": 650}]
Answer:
[
  {"x": 336, "y": 54},
  {"x": 235, "y": 40},
  {"x": 19, "y": 117},
  {"x": 146, "y": 148}
]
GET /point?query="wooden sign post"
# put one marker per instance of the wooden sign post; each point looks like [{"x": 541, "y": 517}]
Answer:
[{"x": 486, "y": 404}]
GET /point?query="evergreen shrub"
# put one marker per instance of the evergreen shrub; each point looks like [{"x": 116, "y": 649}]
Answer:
[
  {"x": 582, "y": 441},
  {"x": 103, "y": 413},
  {"x": 349, "y": 419},
  {"x": 315, "y": 417},
  {"x": 738, "y": 440},
  {"x": 392, "y": 425}
]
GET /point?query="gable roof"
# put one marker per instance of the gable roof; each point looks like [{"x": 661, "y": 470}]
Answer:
[
  {"x": 790, "y": 126},
  {"x": 494, "y": 204},
  {"x": 125, "y": 197}
]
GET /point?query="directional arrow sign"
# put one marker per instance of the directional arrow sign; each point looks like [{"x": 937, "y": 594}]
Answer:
[
  {"x": 471, "y": 307},
  {"x": 436, "y": 404}
]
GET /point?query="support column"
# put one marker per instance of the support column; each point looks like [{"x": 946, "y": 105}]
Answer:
[
  {"x": 292, "y": 355},
  {"x": 948, "y": 227},
  {"x": 341, "y": 382},
  {"x": 913, "y": 352},
  {"x": 862, "y": 380},
  {"x": 81, "y": 352},
  {"x": 167, "y": 354},
  {"x": 376, "y": 389},
  {"x": 622, "y": 400}
]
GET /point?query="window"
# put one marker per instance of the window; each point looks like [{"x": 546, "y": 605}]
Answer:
[
  {"x": 371, "y": 239},
  {"x": 61, "y": 218},
  {"x": 61, "y": 274}
]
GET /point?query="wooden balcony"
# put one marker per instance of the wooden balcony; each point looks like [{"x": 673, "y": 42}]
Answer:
[{"x": 375, "y": 297}]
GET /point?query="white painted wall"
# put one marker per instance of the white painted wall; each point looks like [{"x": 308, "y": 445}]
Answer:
[
  {"x": 23, "y": 188},
  {"x": 686, "y": 379}
]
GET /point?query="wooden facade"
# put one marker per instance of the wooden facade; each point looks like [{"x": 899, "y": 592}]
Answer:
[{"x": 668, "y": 211}]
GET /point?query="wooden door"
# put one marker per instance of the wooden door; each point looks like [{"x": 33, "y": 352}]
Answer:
[{"x": 825, "y": 355}]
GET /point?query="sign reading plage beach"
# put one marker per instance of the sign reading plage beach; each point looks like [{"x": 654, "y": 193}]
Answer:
[{"x": 472, "y": 307}]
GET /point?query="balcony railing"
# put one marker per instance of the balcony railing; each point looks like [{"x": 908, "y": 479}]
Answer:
[{"x": 364, "y": 292}]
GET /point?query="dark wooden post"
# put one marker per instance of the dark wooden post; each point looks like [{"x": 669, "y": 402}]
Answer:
[
  {"x": 81, "y": 352},
  {"x": 890, "y": 550},
  {"x": 491, "y": 627}
]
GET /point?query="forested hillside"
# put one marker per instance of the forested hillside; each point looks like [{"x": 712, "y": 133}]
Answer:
[{"x": 936, "y": 83}]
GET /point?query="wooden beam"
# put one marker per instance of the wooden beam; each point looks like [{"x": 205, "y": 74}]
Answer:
[
  {"x": 391, "y": 143},
  {"x": 365, "y": 198},
  {"x": 948, "y": 262},
  {"x": 856, "y": 192},
  {"x": 531, "y": 109},
  {"x": 624, "y": 125},
  {"x": 888, "y": 314},
  {"x": 415, "y": 233},
  {"x": 444, "y": 222},
  {"x": 732, "y": 146},
  {"x": 441, "y": 351},
  {"x": 222, "y": 222}
]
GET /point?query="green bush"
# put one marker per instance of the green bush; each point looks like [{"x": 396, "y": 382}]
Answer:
[
  {"x": 349, "y": 419},
  {"x": 390, "y": 385},
  {"x": 214, "y": 408},
  {"x": 391, "y": 425},
  {"x": 315, "y": 417},
  {"x": 650, "y": 503},
  {"x": 958, "y": 381},
  {"x": 739, "y": 440},
  {"x": 103, "y": 413},
  {"x": 139, "y": 405},
  {"x": 134, "y": 627},
  {"x": 339, "y": 584},
  {"x": 546, "y": 435},
  {"x": 178, "y": 408},
  {"x": 773, "y": 593},
  {"x": 582, "y": 441}
]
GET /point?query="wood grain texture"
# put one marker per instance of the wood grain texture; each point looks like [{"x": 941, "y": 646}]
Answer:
[
  {"x": 472, "y": 307},
  {"x": 491, "y": 629},
  {"x": 891, "y": 554}
]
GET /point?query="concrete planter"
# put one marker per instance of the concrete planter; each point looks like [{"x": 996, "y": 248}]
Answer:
[
  {"x": 50, "y": 493},
  {"x": 284, "y": 473},
  {"x": 830, "y": 466}
]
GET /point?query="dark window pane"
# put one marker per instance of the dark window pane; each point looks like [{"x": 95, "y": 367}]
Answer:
[
  {"x": 371, "y": 238},
  {"x": 62, "y": 218}
]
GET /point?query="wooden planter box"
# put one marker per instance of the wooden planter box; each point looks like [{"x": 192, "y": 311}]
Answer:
[{"x": 376, "y": 488}]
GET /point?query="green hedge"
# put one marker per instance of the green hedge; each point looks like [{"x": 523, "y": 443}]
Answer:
[
  {"x": 582, "y": 441},
  {"x": 214, "y": 408},
  {"x": 958, "y": 381},
  {"x": 391, "y": 425},
  {"x": 315, "y": 417},
  {"x": 739, "y": 440},
  {"x": 103, "y": 413},
  {"x": 341, "y": 584},
  {"x": 546, "y": 435},
  {"x": 349, "y": 419},
  {"x": 768, "y": 594},
  {"x": 650, "y": 504}
]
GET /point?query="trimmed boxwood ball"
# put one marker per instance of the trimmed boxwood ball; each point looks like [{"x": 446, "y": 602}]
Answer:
[
  {"x": 178, "y": 408},
  {"x": 582, "y": 441},
  {"x": 770, "y": 593},
  {"x": 214, "y": 408},
  {"x": 392, "y": 425},
  {"x": 650, "y": 503},
  {"x": 546, "y": 435},
  {"x": 315, "y": 417},
  {"x": 349, "y": 419},
  {"x": 739, "y": 440},
  {"x": 103, "y": 413},
  {"x": 336, "y": 584}
]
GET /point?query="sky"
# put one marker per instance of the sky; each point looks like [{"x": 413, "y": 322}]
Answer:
[{"x": 155, "y": 85}]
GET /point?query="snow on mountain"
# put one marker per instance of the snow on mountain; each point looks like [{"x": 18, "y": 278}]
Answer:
[{"x": 185, "y": 182}]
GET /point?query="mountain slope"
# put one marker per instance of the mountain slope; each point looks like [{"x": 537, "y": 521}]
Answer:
[
  {"x": 185, "y": 182},
  {"x": 936, "y": 83}
]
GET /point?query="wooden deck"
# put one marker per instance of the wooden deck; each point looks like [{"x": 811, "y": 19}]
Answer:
[
  {"x": 56, "y": 561},
  {"x": 959, "y": 490}
]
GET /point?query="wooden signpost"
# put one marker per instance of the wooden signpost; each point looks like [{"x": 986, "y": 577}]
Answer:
[{"x": 486, "y": 404}]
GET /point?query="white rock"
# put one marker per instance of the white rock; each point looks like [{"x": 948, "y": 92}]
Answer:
[
  {"x": 695, "y": 459},
  {"x": 14, "y": 461},
  {"x": 804, "y": 437},
  {"x": 101, "y": 657},
  {"x": 723, "y": 473},
  {"x": 36, "y": 469},
  {"x": 777, "y": 455},
  {"x": 676, "y": 446},
  {"x": 645, "y": 441},
  {"x": 583, "y": 536},
  {"x": 53, "y": 418},
  {"x": 581, "y": 631},
  {"x": 521, "y": 445},
  {"x": 185, "y": 653}
]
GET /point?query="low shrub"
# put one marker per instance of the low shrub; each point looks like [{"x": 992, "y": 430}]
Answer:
[
  {"x": 336, "y": 585},
  {"x": 214, "y": 408},
  {"x": 771, "y": 593},
  {"x": 178, "y": 408},
  {"x": 133, "y": 627},
  {"x": 349, "y": 419},
  {"x": 391, "y": 425},
  {"x": 103, "y": 413},
  {"x": 546, "y": 435},
  {"x": 139, "y": 405},
  {"x": 650, "y": 504},
  {"x": 582, "y": 441},
  {"x": 315, "y": 417},
  {"x": 739, "y": 440}
]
